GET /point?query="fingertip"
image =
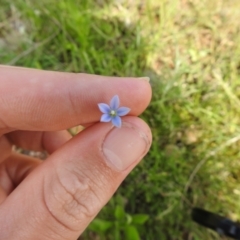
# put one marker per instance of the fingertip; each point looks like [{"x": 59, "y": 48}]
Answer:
[
  {"x": 141, "y": 93},
  {"x": 124, "y": 147},
  {"x": 140, "y": 124}
]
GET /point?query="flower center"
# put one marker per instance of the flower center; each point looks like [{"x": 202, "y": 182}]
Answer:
[{"x": 113, "y": 113}]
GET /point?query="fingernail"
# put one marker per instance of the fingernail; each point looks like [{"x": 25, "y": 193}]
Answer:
[
  {"x": 144, "y": 79},
  {"x": 124, "y": 146}
]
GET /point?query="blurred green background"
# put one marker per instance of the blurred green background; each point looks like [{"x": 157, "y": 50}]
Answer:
[{"x": 190, "y": 49}]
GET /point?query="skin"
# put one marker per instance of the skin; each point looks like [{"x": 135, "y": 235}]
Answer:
[{"x": 58, "y": 198}]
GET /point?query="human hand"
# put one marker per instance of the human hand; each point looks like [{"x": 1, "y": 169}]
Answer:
[{"x": 58, "y": 198}]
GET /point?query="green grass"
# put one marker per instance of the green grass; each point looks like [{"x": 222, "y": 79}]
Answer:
[{"x": 191, "y": 51}]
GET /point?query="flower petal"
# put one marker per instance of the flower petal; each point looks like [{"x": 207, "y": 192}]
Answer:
[
  {"x": 104, "y": 108},
  {"x": 105, "y": 118},
  {"x": 114, "y": 103},
  {"x": 122, "y": 111},
  {"x": 117, "y": 121}
]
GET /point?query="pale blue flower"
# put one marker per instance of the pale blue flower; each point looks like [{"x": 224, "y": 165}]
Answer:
[{"x": 113, "y": 112}]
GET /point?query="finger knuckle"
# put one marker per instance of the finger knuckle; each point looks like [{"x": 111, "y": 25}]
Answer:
[
  {"x": 80, "y": 200},
  {"x": 74, "y": 197}
]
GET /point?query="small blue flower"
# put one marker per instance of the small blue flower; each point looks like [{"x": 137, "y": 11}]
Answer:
[{"x": 113, "y": 112}]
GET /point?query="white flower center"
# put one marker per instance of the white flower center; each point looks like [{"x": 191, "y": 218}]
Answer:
[{"x": 113, "y": 113}]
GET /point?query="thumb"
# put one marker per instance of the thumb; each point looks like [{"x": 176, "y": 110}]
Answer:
[{"x": 62, "y": 196}]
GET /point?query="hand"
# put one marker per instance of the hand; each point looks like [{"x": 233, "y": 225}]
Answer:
[{"x": 58, "y": 198}]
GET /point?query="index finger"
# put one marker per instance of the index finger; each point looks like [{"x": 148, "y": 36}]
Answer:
[{"x": 40, "y": 100}]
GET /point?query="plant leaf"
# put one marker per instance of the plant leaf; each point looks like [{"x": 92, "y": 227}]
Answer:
[
  {"x": 131, "y": 233},
  {"x": 100, "y": 226},
  {"x": 119, "y": 212},
  {"x": 139, "y": 218}
]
